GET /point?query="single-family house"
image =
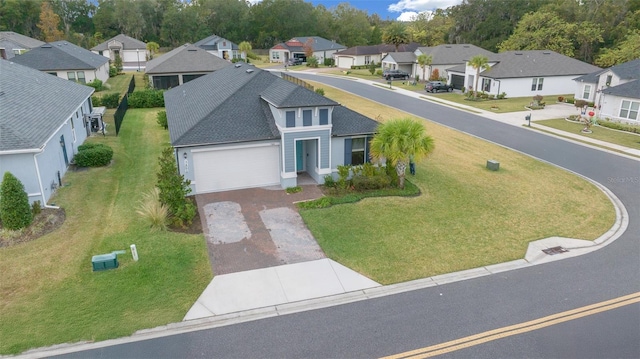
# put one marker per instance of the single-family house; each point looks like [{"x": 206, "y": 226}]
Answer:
[
  {"x": 364, "y": 55},
  {"x": 43, "y": 121},
  {"x": 404, "y": 61},
  {"x": 258, "y": 129},
  {"x": 67, "y": 61},
  {"x": 133, "y": 52},
  {"x": 12, "y": 43},
  {"x": 528, "y": 73},
  {"x": 295, "y": 48},
  {"x": 182, "y": 65},
  {"x": 220, "y": 47},
  {"x": 445, "y": 57},
  {"x": 615, "y": 91}
]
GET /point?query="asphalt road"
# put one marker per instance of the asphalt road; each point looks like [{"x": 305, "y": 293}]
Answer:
[{"x": 426, "y": 317}]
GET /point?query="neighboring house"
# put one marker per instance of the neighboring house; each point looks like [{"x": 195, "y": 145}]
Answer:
[
  {"x": 294, "y": 48},
  {"x": 528, "y": 73},
  {"x": 449, "y": 56},
  {"x": 260, "y": 130},
  {"x": 404, "y": 61},
  {"x": 182, "y": 65},
  {"x": 67, "y": 61},
  {"x": 364, "y": 55},
  {"x": 42, "y": 123},
  {"x": 614, "y": 91},
  {"x": 133, "y": 52},
  {"x": 220, "y": 47},
  {"x": 12, "y": 43}
]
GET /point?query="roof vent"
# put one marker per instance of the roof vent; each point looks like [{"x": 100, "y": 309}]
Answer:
[
  {"x": 192, "y": 50},
  {"x": 47, "y": 46},
  {"x": 448, "y": 47},
  {"x": 518, "y": 53},
  {"x": 237, "y": 65},
  {"x": 546, "y": 52},
  {"x": 465, "y": 46},
  {"x": 249, "y": 71}
]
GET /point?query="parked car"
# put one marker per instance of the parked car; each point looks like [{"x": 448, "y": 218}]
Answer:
[
  {"x": 294, "y": 61},
  {"x": 395, "y": 74},
  {"x": 435, "y": 86}
]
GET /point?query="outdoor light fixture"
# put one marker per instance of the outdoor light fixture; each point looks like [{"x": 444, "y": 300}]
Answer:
[{"x": 184, "y": 155}]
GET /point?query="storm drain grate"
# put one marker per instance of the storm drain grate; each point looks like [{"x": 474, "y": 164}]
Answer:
[{"x": 554, "y": 250}]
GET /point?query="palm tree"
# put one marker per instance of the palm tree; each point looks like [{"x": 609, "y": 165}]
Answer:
[
  {"x": 424, "y": 61},
  {"x": 245, "y": 47},
  {"x": 399, "y": 141},
  {"x": 480, "y": 63},
  {"x": 395, "y": 34}
]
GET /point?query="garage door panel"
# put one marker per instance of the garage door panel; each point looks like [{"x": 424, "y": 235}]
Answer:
[{"x": 236, "y": 168}]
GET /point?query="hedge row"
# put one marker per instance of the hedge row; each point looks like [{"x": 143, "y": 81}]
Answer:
[
  {"x": 108, "y": 100},
  {"x": 620, "y": 126},
  {"x": 146, "y": 99},
  {"x": 93, "y": 154}
]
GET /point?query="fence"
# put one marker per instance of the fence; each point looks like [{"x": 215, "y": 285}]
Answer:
[
  {"x": 118, "y": 117},
  {"x": 297, "y": 81}
]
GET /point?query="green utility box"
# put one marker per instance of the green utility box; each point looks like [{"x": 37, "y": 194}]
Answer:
[
  {"x": 493, "y": 165},
  {"x": 104, "y": 262}
]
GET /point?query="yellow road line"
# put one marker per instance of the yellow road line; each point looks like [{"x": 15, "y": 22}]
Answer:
[{"x": 487, "y": 336}]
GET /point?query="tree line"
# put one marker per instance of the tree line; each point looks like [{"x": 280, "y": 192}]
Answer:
[{"x": 604, "y": 32}]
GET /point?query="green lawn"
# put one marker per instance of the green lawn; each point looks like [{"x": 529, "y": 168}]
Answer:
[
  {"x": 466, "y": 217},
  {"x": 498, "y": 106},
  {"x": 50, "y": 294},
  {"x": 621, "y": 138}
]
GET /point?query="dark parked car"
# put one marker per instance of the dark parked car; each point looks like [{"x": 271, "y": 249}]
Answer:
[
  {"x": 395, "y": 74},
  {"x": 435, "y": 86},
  {"x": 294, "y": 61}
]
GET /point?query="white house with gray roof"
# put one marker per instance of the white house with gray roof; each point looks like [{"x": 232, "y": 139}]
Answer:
[
  {"x": 12, "y": 43},
  {"x": 133, "y": 52},
  {"x": 67, "y": 61},
  {"x": 295, "y": 48},
  {"x": 364, "y": 55},
  {"x": 42, "y": 123},
  {"x": 260, "y": 130},
  {"x": 528, "y": 73},
  {"x": 182, "y": 65},
  {"x": 448, "y": 56},
  {"x": 220, "y": 47},
  {"x": 615, "y": 91}
]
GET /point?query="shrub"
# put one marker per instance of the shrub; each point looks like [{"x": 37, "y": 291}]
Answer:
[
  {"x": 36, "y": 208},
  {"x": 362, "y": 183},
  {"x": 619, "y": 126},
  {"x": 174, "y": 189},
  {"x": 502, "y": 96},
  {"x": 113, "y": 72},
  {"x": 379, "y": 72},
  {"x": 96, "y": 101},
  {"x": 161, "y": 118},
  {"x": 96, "y": 84},
  {"x": 118, "y": 63},
  {"x": 537, "y": 99},
  {"x": 93, "y": 154},
  {"x": 320, "y": 91},
  {"x": 146, "y": 99},
  {"x": 580, "y": 103},
  {"x": 372, "y": 68},
  {"x": 312, "y": 61},
  {"x": 295, "y": 189},
  {"x": 343, "y": 173},
  {"x": 435, "y": 75},
  {"x": 109, "y": 100},
  {"x": 329, "y": 62},
  {"x": 329, "y": 181},
  {"x": 154, "y": 212},
  {"x": 14, "y": 203},
  {"x": 560, "y": 98}
]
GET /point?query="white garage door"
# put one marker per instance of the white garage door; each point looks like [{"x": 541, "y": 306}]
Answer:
[{"x": 236, "y": 168}]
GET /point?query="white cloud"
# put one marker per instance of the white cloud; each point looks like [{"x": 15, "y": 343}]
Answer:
[
  {"x": 411, "y": 15},
  {"x": 417, "y": 6}
]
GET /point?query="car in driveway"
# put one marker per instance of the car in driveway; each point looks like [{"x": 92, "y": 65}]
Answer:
[
  {"x": 294, "y": 61},
  {"x": 435, "y": 86},
  {"x": 395, "y": 74}
]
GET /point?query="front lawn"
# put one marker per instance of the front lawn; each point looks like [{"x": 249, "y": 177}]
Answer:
[
  {"x": 621, "y": 138},
  {"x": 498, "y": 106},
  {"x": 466, "y": 217},
  {"x": 50, "y": 294}
]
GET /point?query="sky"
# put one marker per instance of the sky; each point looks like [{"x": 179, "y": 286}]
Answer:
[{"x": 401, "y": 10}]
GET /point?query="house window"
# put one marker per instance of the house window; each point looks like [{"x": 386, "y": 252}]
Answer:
[
  {"x": 357, "y": 151},
  {"x": 306, "y": 118},
  {"x": 71, "y": 75},
  {"x": 275, "y": 55},
  {"x": 587, "y": 92},
  {"x": 324, "y": 116},
  {"x": 486, "y": 85},
  {"x": 629, "y": 109},
  {"x": 291, "y": 119},
  {"x": 536, "y": 84},
  {"x": 81, "y": 78},
  {"x": 367, "y": 60},
  {"x": 609, "y": 77}
]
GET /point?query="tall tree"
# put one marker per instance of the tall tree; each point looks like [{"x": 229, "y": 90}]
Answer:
[
  {"x": 399, "y": 141},
  {"x": 75, "y": 15},
  {"x": 245, "y": 48},
  {"x": 127, "y": 14},
  {"x": 425, "y": 60},
  {"x": 395, "y": 34},
  {"x": 14, "y": 203},
  {"x": 49, "y": 23},
  {"x": 105, "y": 20},
  {"x": 479, "y": 63},
  {"x": 152, "y": 47},
  {"x": 626, "y": 50},
  {"x": 351, "y": 26},
  {"x": 308, "y": 47},
  {"x": 541, "y": 31},
  {"x": 20, "y": 16}
]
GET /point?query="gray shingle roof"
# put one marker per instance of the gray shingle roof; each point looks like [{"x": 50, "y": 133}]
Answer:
[
  {"x": 184, "y": 59},
  {"x": 128, "y": 43},
  {"x": 319, "y": 44},
  {"x": 33, "y": 105},
  {"x": 377, "y": 49},
  {"x": 401, "y": 57},
  {"x": 451, "y": 54},
  {"x": 629, "y": 89},
  {"x": 231, "y": 105},
  {"x": 61, "y": 55},
  {"x": 211, "y": 43},
  {"x": 628, "y": 70},
  {"x": 25, "y": 42},
  {"x": 535, "y": 63}
]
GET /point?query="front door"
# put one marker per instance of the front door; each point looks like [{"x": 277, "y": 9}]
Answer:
[
  {"x": 64, "y": 151},
  {"x": 299, "y": 156}
]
